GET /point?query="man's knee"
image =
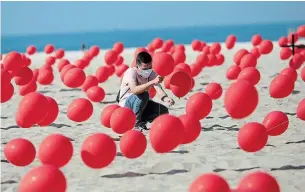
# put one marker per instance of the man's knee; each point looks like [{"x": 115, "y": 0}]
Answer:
[{"x": 163, "y": 109}]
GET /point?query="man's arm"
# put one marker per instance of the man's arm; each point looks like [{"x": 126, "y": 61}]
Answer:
[{"x": 138, "y": 89}]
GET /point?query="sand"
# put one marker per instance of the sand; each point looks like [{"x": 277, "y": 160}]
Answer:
[{"x": 215, "y": 150}]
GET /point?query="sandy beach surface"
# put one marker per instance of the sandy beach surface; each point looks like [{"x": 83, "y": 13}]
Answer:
[{"x": 216, "y": 149}]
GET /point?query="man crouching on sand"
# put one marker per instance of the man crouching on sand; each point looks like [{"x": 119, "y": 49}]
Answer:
[{"x": 134, "y": 94}]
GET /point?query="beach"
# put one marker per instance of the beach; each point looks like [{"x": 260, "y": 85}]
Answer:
[{"x": 215, "y": 150}]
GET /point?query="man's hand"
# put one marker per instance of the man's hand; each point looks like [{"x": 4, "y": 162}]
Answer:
[
  {"x": 170, "y": 102},
  {"x": 157, "y": 80}
]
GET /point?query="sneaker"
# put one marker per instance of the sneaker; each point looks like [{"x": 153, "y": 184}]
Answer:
[{"x": 141, "y": 127}]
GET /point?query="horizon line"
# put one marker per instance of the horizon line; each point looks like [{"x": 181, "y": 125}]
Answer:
[{"x": 151, "y": 28}]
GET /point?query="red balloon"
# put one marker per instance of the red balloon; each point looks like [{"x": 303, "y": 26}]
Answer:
[
  {"x": 110, "y": 57},
  {"x": 233, "y": 72},
  {"x": 23, "y": 76},
  {"x": 163, "y": 64},
  {"x": 152, "y": 92},
  {"x": 74, "y": 78},
  {"x": 255, "y": 52},
  {"x": 35, "y": 74},
  {"x": 256, "y": 39},
  {"x": 230, "y": 42},
  {"x": 62, "y": 63},
  {"x": 48, "y": 49},
  {"x": 195, "y": 70},
  {"x": 206, "y": 49},
  {"x": 112, "y": 69},
  {"x": 119, "y": 61},
  {"x": 118, "y": 47},
  {"x": 120, "y": 70},
  {"x": 258, "y": 181},
  {"x": 50, "y": 60},
  {"x": 167, "y": 81},
  {"x": 180, "y": 83},
  {"x": 107, "y": 113},
  {"x": 65, "y": 69},
  {"x": 303, "y": 74},
  {"x": 59, "y": 53},
  {"x": 166, "y": 133},
  {"x": 276, "y": 123},
  {"x": 248, "y": 60},
  {"x": 19, "y": 152},
  {"x": 239, "y": 55},
  {"x": 122, "y": 120},
  {"x": 157, "y": 43},
  {"x": 30, "y": 50},
  {"x": 215, "y": 48},
  {"x": 96, "y": 94},
  {"x": 28, "y": 88},
  {"x": 90, "y": 81},
  {"x": 80, "y": 110},
  {"x": 185, "y": 67},
  {"x": 241, "y": 99},
  {"x": 180, "y": 48},
  {"x": 167, "y": 45},
  {"x": 94, "y": 50},
  {"x": 281, "y": 86},
  {"x": 199, "y": 105},
  {"x": 5, "y": 76},
  {"x": 212, "y": 60},
  {"x": 56, "y": 150},
  {"x": 12, "y": 61},
  {"x": 285, "y": 53},
  {"x": 209, "y": 182},
  {"x": 296, "y": 61},
  {"x": 45, "y": 77},
  {"x": 301, "y": 110},
  {"x": 250, "y": 74},
  {"x": 252, "y": 137},
  {"x": 301, "y": 31},
  {"x": 265, "y": 47},
  {"x": 26, "y": 61},
  {"x": 81, "y": 63},
  {"x": 192, "y": 128},
  {"x": 290, "y": 72},
  {"x": 133, "y": 144},
  {"x": 213, "y": 90},
  {"x": 283, "y": 41},
  {"x": 196, "y": 45},
  {"x": 7, "y": 92},
  {"x": 45, "y": 178},
  {"x": 53, "y": 110},
  {"x": 102, "y": 74},
  {"x": 179, "y": 56},
  {"x": 46, "y": 67},
  {"x": 31, "y": 110},
  {"x": 98, "y": 151},
  {"x": 202, "y": 60},
  {"x": 220, "y": 59}
]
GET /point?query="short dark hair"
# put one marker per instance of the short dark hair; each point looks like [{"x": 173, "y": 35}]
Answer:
[{"x": 143, "y": 57}]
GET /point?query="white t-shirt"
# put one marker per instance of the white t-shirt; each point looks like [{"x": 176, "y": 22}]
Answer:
[{"x": 131, "y": 75}]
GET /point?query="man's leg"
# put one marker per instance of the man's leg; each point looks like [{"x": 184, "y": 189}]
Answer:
[
  {"x": 137, "y": 103},
  {"x": 153, "y": 110}
]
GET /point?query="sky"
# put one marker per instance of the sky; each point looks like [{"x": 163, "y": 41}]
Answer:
[{"x": 23, "y": 18}]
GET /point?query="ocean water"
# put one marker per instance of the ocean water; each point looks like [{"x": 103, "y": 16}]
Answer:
[{"x": 104, "y": 40}]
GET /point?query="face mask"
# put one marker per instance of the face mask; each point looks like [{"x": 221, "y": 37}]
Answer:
[{"x": 145, "y": 73}]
